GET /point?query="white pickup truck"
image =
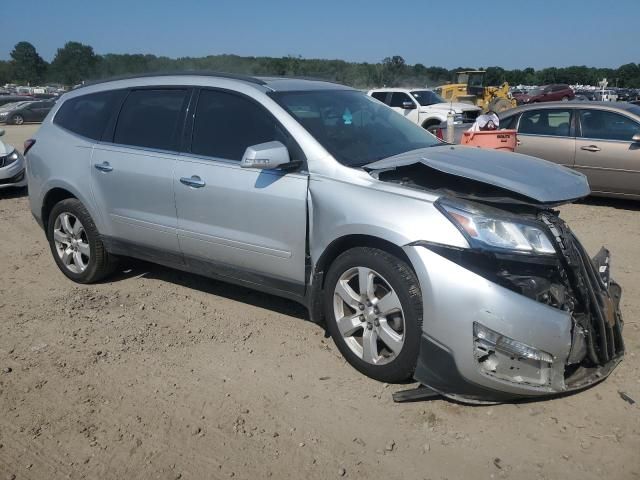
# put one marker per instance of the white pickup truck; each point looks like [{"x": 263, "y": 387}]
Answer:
[{"x": 425, "y": 107}]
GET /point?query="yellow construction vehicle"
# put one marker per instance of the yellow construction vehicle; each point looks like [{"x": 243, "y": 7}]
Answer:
[{"x": 469, "y": 87}]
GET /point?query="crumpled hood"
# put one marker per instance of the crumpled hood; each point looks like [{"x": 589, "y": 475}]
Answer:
[
  {"x": 539, "y": 180},
  {"x": 457, "y": 107}
]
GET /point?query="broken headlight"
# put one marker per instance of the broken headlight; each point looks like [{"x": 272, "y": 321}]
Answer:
[
  {"x": 493, "y": 230},
  {"x": 502, "y": 343}
]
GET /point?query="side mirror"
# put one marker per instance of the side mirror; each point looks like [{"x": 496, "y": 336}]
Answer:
[
  {"x": 265, "y": 156},
  {"x": 636, "y": 138},
  {"x": 1, "y": 132},
  {"x": 407, "y": 105}
]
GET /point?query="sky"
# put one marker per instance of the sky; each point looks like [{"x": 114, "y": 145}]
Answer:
[{"x": 470, "y": 33}]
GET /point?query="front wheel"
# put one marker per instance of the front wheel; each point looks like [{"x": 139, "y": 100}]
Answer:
[
  {"x": 373, "y": 307},
  {"x": 17, "y": 119},
  {"x": 565, "y": 99}
]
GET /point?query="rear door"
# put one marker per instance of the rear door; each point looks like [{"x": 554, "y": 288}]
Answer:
[
  {"x": 548, "y": 134},
  {"x": 605, "y": 152},
  {"x": 132, "y": 173},
  {"x": 243, "y": 223}
]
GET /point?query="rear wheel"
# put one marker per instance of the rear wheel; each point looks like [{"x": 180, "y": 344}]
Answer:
[
  {"x": 17, "y": 119},
  {"x": 75, "y": 243},
  {"x": 373, "y": 307},
  {"x": 565, "y": 99}
]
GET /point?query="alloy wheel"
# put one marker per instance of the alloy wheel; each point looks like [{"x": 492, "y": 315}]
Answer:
[
  {"x": 369, "y": 315},
  {"x": 71, "y": 242}
]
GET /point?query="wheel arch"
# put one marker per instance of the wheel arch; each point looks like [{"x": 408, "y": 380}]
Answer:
[
  {"x": 328, "y": 256},
  {"x": 430, "y": 122},
  {"x": 51, "y": 198}
]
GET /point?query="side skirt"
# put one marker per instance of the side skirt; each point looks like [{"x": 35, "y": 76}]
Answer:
[{"x": 207, "y": 268}]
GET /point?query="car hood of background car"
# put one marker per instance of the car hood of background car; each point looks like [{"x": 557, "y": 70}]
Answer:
[
  {"x": 538, "y": 181},
  {"x": 5, "y": 149},
  {"x": 456, "y": 106}
]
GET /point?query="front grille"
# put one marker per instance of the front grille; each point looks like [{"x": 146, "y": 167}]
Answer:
[
  {"x": 3, "y": 160},
  {"x": 597, "y": 308}
]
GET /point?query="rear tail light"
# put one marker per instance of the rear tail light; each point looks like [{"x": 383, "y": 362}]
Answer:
[
  {"x": 439, "y": 134},
  {"x": 28, "y": 144}
]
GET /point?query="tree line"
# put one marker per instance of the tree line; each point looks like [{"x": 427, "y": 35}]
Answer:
[{"x": 75, "y": 63}]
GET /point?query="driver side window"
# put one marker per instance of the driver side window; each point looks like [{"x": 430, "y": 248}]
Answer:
[
  {"x": 398, "y": 98},
  {"x": 226, "y": 124}
]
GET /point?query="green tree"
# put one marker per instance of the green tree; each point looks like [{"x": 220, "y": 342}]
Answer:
[
  {"x": 392, "y": 70},
  {"x": 74, "y": 63},
  {"x": 27, "y": 65},
  {"x": 6, "y": 72}
]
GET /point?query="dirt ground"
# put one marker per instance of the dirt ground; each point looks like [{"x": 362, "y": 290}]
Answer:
[{"x": 161, "y": 374}]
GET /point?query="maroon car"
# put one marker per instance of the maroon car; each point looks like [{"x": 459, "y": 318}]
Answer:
[{"x": 547, "y": 93}]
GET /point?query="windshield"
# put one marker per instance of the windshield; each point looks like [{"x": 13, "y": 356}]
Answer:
[
  {"x": 427, "y": 97},
  {"x": 353, "y": 127}
]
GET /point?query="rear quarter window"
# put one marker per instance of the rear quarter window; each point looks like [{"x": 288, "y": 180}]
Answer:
[{"x": 88, "y": 115}]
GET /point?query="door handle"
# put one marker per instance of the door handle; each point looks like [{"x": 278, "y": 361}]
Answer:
[
  {"x": 194, "y": 181},
  {"x": 590, "y": 148},
  {"x": 103, "y": 167}
]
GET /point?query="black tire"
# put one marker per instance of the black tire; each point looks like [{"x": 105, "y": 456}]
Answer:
[
  {"x": 17, "y": 119},
  {"x": 402, "y": 279},
  {"x": 431, "y": 127},
  {"x": 100, "y": 262},
  {"x": 565, "y": 99}
]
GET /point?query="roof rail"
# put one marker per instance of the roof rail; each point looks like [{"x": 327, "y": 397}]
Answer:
[{"x": 202, "y": 73}]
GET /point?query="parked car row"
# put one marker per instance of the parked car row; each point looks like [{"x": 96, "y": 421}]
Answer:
[
  {"x": 564, "y": 92},
  {"x": 548, "y": 93},
  {"x": 19, "y": 112}
]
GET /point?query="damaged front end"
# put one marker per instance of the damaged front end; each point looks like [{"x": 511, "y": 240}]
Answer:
[
  {"x": 525, "y": 248},
  {"x": 568, "y": 281}
]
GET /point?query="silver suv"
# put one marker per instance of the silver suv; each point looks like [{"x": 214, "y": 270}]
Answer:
[{"x": 426, "y": 260}]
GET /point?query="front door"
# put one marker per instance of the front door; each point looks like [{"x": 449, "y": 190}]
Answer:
[
  {"x": 132, "y": 176},
  {"x": 548, "y": 134},
  {"x": 606, "y": 154},
  {"x": 400, "y": 101},
  {"x": 247, "y": 224}
]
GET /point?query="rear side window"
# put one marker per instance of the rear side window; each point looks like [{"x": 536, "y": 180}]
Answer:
[
  {"x": 151, "y": 119},
  {"x": 226, "y": 124},
  {"x": 605, "y": 125},
  {"x": 88, "y": 115},
  {"x": 556, "y": 123},
  {"x": 380, "y": 96}
]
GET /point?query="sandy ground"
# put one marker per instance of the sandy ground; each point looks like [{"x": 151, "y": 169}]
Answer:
[{"x": 162, "y": 374}]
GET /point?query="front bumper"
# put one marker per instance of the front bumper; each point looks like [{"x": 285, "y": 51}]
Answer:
[
  {"x": 450, "y": 361},
  {"x": 13, "y": 175}
]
